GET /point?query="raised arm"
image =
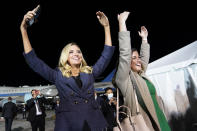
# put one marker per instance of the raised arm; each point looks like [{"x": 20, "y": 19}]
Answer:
[
  {"x": 145, "y": 48},
  {"x": 105, "y": 23},
  {"x": 108, "y": 51},
  {"x": 23, "y": 28},
  {"x": 32, "y": 60},
  {"x": 122, "y": 74}
]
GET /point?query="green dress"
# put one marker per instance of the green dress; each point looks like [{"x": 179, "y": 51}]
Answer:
[{"x": 161, "y": 118}]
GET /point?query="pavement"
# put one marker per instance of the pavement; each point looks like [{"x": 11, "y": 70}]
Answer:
[{"x": 20, "y": 124}]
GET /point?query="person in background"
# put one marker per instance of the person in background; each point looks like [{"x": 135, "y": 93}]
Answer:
[
  {"x": 109, "y": 108},
  {"x": 24, "y": 111},
  {"x": 73, "y": 78},
  {"x": 36, "y": 110},
  {"x": 57, "y": 105},
  {"x": 130, "y": 75},
  {"x": 9, "y": 111}
]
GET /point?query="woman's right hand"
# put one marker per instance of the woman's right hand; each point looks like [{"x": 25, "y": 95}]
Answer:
[
  {"x": 143, "y": 33},
  {"x": 28, "y": 16},
  {"x": 122, "y": 17},
  {"x": 102, "y": 19}
]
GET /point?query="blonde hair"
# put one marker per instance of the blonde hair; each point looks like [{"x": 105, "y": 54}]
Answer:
[{"x": 64, "y": 66}]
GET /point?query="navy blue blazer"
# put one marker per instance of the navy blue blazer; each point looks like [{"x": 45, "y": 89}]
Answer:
[{"x": 77, "y": 105}]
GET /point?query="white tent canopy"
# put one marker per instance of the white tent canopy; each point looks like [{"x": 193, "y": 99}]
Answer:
[
  {"x": 175, "y": 60},
  {"x": 173, "y": 75}
]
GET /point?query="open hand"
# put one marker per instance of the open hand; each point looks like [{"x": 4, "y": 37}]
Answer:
[
  {"x": 143, "y": 33},
  {"x": 122, "y": 17},
  {"x": 102, "y": 18}
]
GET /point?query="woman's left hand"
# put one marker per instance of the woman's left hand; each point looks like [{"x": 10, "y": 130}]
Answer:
[
  {"x": 102, "y": 18},
  {"x": 143, "y": 33}
]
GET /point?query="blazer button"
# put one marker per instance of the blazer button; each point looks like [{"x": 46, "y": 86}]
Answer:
[
  {"x": 72, "y": 94},
  {"x": 86, "y": 101},
  {"x": 89, "y": 92},
  {"x": 76, "y": 102}
]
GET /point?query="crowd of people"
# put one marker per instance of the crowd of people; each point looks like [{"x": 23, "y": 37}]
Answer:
[{"x": 80, "y": 108}]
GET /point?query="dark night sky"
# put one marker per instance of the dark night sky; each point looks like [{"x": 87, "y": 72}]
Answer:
[{"x": 170, "y": 28}]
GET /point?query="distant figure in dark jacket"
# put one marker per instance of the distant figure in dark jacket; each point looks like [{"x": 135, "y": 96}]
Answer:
[
  {"x": 109, "y": 108},
  {"x": 9, "y": 112},
  {"x": 24, "y": 111},
  {"x": 36, "y": 109},
  {"x": 57, "y": 105}
]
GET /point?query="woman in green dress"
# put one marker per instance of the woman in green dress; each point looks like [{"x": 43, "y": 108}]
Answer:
[{"x": 131, "y": 69}]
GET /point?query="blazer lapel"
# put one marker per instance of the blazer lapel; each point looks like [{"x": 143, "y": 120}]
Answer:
[
  {"x": 71, "y": 83},
  {"x": 85, "y": 81},
  {"x": 87, "y": 84},
  {"x": 74, "y": 86}
]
